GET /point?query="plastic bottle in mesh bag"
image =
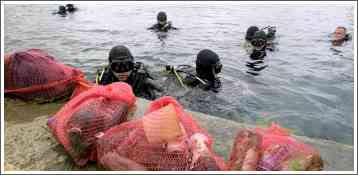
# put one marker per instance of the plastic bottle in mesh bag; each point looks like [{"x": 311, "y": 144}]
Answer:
[
  {"x": 165, "y": 138},
  {"x": 35, "y": 75},
  {"x": 281, "y": 151},
  {"x": 85, "y": 117},
  {"x": 274, "y": 149},
  {"x": 245, "y": 151}
]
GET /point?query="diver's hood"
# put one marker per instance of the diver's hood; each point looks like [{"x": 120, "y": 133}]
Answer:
[
  {"x": 206, "y": 63},
  {"x": 120, "y": 54},
  {"x": 251, "y": 32},
  {"x": 162, "y": 16}
]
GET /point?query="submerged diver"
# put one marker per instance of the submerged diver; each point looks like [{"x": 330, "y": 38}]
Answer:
[
  {"x": 122, "y": 67},
  {"x": 162, "y": 24},
  {"x": 339, "y": 36},
  {"x": 204, "y": 75},
  {"x": 71, "y": 8}
]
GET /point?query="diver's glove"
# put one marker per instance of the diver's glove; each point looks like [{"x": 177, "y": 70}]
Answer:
[
  {"x": 214, "y": 85},
  {"x": 137, "y": 80},
  {"x": 166, "y": 26},
  {"x": 169, "y": 68},
  {"x": 143, "y": 83}
]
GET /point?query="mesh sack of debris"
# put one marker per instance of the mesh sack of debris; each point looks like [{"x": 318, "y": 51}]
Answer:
[
  {"x": 81, "y": 120},
  {"x": 35, "y": 75},
  {"x": 272, "y": 149},
  {"x": 166, "y": 138}
]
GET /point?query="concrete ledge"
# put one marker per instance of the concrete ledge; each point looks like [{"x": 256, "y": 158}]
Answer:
[{"x": 30, "y": 146}]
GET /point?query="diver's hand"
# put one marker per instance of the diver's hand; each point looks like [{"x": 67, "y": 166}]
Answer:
[
  {"x": 167, "y": 26},
  {"x": 153, "y": 85}
]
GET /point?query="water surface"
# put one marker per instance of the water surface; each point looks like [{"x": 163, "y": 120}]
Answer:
[{"x": 307, "y": 86}]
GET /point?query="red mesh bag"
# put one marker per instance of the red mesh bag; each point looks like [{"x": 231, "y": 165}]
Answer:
[
  {"x": 78, "y": 124},
  {"x": 35, "y": 75},
  {"x": 166, "y": 139},
  {"x": 272, "y": 149}
]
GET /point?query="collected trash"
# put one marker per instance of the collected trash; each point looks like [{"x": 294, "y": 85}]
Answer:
[
  {"x": 272, "y": 149},
  {"x": 165, "y": 138},
  {"x": 78, "y": 124},
  {"x": 35, "y": 75}
]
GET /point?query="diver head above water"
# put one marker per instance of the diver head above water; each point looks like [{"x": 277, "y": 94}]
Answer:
[
  {"x": 162, "y": 18},
  {"x": 270, "y": 35},
  {"x": 121, "y": 67},
  {"x": 61, "y": 10},
  {"x": 71, "y": 8},
  {"x": 121, "y": 62},
  {"x": 162, "y": 25},
  {"x": 208, "y": 66},
  {"x": 339, "y": 36},
  {"x": 259, "y": 42},
  {"x": 203, "y": 75},
  {"x": 251, "y": 32}
]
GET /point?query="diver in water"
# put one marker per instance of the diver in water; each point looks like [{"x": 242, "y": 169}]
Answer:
[
  {"x": 258, "y": 52},
  {"x": 122, "y": 67},
  {"x": 71, "y": 8},
  {"x": 162, "y": 24},
  {"x": 61, "y": 10},
  {"x": 339, "y": 36},
  {"x": 259, "y": 43},
  {"x": 204, "y": 75},
  {"x": 270, "y": 35}
]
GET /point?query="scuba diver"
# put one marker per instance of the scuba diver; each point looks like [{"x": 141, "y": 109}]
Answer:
[
  {"x": 259, "y": 44},
  {"x": 61, "y": 10},
  {"x": 122, "y": 67},
  {"x": 162, "y": 24},
  {"x": 258, "y": 40},
  {"x": 339, "y": 36},
  {"x": 71, "y": 8},
  {"x": 204, "y": 75},
  {"x": 270, "y": 35}
]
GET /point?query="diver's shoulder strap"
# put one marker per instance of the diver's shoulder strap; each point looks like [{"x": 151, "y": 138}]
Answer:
[{"x": 99, "y": 75}]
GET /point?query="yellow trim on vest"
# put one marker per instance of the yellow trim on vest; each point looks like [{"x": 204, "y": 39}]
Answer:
[{"x": 98, "y": 78}]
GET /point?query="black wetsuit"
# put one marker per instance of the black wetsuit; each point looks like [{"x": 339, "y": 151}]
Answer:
[
  {"x": 193, "y": 80},
  {"x": 142, "y": 83},
  {"x": 162, "y": 28},
  {"x": 71, "y": 10},
  {"x": 256, "y": 62}
]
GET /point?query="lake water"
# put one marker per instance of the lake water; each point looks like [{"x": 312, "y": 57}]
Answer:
[{"x": 307, "y": 86}]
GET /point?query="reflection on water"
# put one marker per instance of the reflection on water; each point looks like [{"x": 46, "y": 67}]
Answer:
[
  {"x": 162, "y": 36},
  {"x": 305, "y": 85},
  {"x": 255, "y": 66}
]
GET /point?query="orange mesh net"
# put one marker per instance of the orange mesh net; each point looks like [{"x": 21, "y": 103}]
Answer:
[
  {"x": 165, "y": 138},
  {"x": 33, "y": 74},
  {"x": 272, "y": 149},
  {"x": 78, "y": 124}
]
